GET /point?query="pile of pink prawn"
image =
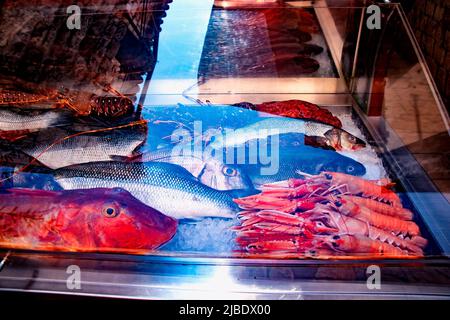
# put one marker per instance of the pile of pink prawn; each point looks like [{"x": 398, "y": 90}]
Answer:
[{"x": 331, "y": 215}]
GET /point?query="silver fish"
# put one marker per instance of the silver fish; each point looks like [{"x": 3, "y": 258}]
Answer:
[
  {"x": 31, "y": 120},
  {"x": 334, "y": 137},
  {"x": 52, "y": 149},
  {"x": 208, "y": 170},
  {"x": 166, "y": 187}
]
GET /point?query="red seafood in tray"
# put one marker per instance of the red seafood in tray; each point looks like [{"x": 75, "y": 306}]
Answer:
[
  {"x": 113, "y": 104},
  {"x": 331, "y": 215},
  {"x": 92, "y": 220},
  {"x": 295, "y": 109}
]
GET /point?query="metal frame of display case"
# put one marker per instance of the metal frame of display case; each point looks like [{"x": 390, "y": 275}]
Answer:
[
  {"x": 164, "y": 276},
  {"x": 157, "y": 277}
]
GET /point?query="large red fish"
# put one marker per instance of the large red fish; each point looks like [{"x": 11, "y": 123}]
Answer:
[{"x": 92, "y": 220}]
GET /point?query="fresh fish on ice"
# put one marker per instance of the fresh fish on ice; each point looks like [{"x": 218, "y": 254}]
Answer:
[
  {"x": 13, "y": 120},
  {"x": 208, "y": 170},
  {"x": 334, "y": 137},
  {"x": 168, "y": 188},
  {"x": 96, "y": 220},
  {"x": 53, "y": 149},
  {"x": 290, "y": 160}
]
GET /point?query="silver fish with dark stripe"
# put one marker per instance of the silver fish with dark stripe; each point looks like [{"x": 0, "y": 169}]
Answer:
[
  {"x": 333, "y": 137},
  {"x": 168, "y": 188},
  {"x": 208, "y": 170}
]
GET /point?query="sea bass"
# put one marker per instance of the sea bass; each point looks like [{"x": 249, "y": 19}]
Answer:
[
  {"x": 336, "y": 138},
  {"x": 14, "y": 120},
  {"x": 97, "y": 220},
  {"x": 168, "y": 188},
  {"x": 208, "y": 170},
  {"x": 55, "y": 149},
  {"x": 290, "y": 160}
]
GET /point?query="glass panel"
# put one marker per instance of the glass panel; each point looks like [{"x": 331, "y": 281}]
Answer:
[
  {"x": 394, "y": 87},
  {"x": 264, "y": 45},
  {"x": 229, "y": 52},
  {"x": 152, "y": 129}
]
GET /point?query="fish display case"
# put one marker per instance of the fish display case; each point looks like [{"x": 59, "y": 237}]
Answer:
[{"x": 220, "y": 149}]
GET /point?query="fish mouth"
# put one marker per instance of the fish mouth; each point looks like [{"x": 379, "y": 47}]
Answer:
[
  {"x": 156, "y": 230},
  {"x": 144, "y": 217},
  {"x": 153, "y": 220},
  {"x": 136, "y": 147},
  {"x": 344, "y": 144},
  {"x": 342, "y": 140},
  {"x": 359, "y": 144}
]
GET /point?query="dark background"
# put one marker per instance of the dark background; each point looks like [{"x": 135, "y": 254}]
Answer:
[{"x": 430, "y": 20}]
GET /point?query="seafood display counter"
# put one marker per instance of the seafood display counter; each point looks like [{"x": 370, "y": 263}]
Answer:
[{"x": 220, "y": 149}]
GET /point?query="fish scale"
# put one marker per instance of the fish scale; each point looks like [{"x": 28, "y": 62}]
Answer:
[
  {"x": 10, "y": 120},
  {"x": 168, "y": 188},
  {"x": 277, "y": 125},
  {"x": 52, "y": 149},
  {"x": 209, "y": 170}
]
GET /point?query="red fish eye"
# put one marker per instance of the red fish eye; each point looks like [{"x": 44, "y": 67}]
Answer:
[{"x": 110, "y": 211}]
